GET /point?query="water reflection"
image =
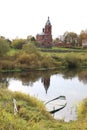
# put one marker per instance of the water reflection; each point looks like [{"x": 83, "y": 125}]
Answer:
[
  {"x": 3, "y": 82},
  {"x": 83, "y": 76},
  {"x": 28, "y": 78},
  {"x": 69, "y": 74},
  {"x": 47, "y": 85}
]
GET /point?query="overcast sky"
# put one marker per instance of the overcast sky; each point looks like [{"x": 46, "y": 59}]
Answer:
[{"x": 20, "y": 18}]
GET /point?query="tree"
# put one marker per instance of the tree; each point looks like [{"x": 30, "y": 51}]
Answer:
[
  {"x": 33, "y": 39},
  {"x": 56, "y": 39},
  {"x": 82, "y": 36},
  {"x": 30, "y": 38},
  {"x": 71, "y": 37},
  {"x": 18, "y": 43},
  {"x": 4, "y": 46}
]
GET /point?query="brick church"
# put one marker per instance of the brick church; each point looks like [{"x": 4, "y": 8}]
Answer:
[{"x": 45, "y": 38}]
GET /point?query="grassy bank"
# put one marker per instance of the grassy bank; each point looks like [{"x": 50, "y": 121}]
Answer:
[
  {"x": 35, "y": 59},
  {"x": 32, "y": 114}
]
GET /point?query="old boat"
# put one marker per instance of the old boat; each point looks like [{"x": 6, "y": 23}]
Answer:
[{"x": 56, "y": 104}]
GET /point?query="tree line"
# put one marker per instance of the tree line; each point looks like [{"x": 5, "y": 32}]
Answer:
[{"x": 73, "y": 38}]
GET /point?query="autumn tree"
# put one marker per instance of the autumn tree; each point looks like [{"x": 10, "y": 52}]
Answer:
[
  {"x": 71, "y": 37},
  {"x": 82, "y": 36}
]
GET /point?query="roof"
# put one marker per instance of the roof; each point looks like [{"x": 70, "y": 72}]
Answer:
[{"x": 42, "y": 33}]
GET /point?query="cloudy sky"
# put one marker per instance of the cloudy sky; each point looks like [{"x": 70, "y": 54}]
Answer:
[{"x": 20, "y": 18}]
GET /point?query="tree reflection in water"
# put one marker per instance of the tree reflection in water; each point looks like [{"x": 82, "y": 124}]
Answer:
[
  {"x": 28, "y": 78},
  {"x": 4, "y": 82}
]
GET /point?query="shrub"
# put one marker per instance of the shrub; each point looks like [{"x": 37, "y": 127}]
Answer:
[
  {"x": 72, "y": 62},
  {"x": 28, "y": 60},
  {"x": 18, "y": 43},
  {"x": 24, "y": 59},
  {"x": 47, "y": 61},
  {"x": 30, "y": 48}
]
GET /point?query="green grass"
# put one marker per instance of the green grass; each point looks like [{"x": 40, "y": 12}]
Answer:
[
  {"x": 73, "y": 49},
  {"x": 32, "y": 114}
]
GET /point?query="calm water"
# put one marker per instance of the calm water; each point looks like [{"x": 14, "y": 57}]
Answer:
[{"x": 49, "y": 85}]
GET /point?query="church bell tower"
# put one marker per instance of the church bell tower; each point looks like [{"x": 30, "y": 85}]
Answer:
[{"x": 48, "y": 32}]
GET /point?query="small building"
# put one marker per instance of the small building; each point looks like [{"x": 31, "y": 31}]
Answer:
[
  {"x": 84, "y": 43},
  {"x": 63, "y": 44},
  {"x": 45, "y": 38}
]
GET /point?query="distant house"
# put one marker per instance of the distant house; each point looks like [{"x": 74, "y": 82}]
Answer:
[
  {"x": 45, "y": 38},
  {"x": 84, "y": 43},
  {"x": 62, "y": 44}
]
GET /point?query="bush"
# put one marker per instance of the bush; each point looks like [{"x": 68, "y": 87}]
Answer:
[
  {"x": 28, "y": 61},
  {"x": 47, "y": 61},
  {"x": 24, "y": 59},
  {"x": 18, "y": 43},
  {"x": 30, "y": 48},
  {"x": 72, "y": 62}
]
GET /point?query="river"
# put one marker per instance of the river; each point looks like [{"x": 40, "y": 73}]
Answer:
[{"x": 47, "y": 85}]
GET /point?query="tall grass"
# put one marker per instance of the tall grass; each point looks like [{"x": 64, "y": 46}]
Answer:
[
  {"x": 31, "y": 111},
  {"x": 82, "y": 109},
  {"x": 32, "y": 114}
]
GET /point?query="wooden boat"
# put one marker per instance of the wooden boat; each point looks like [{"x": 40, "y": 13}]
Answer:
[{"x": 56, "y": 104}]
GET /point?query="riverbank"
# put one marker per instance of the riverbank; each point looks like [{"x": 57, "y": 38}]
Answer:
[
  {"x": 48, "y": 59},
  {"x": 50, "y": 62},
  {"x": 32, "y": 114}
]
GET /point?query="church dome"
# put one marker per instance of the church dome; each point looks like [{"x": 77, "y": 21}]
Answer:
[{"x": 48, "y": 22}]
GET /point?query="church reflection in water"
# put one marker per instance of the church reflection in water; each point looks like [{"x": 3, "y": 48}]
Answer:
[{"x": 46, "y": 82}]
